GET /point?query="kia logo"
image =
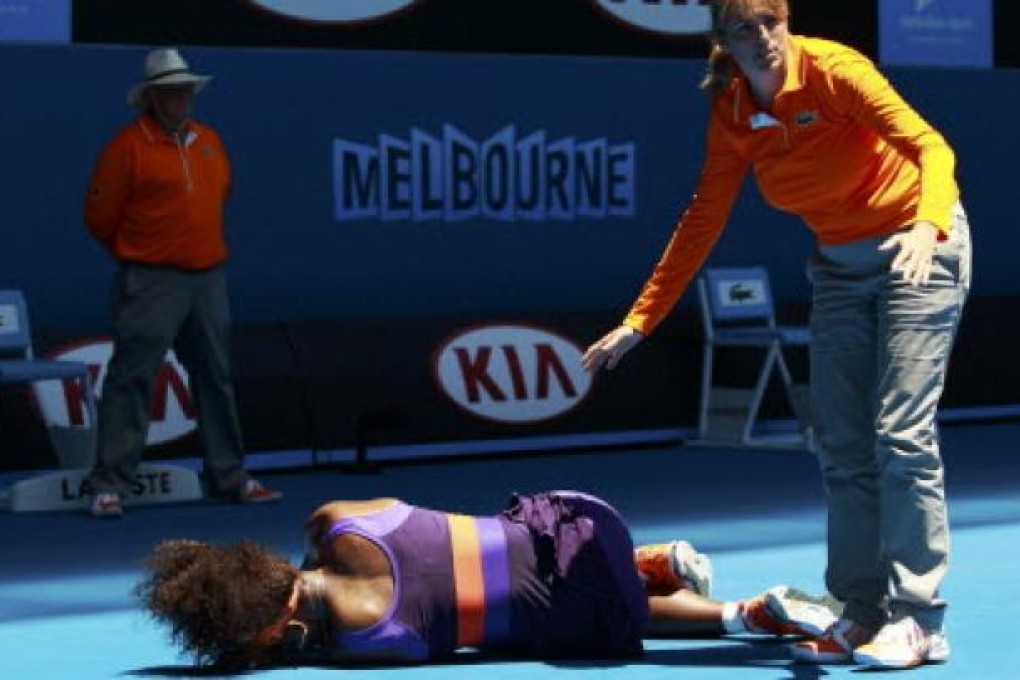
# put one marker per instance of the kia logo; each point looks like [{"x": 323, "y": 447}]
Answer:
[
  {"x": 62, "y": 402},
  {"x": 341, "y": 11},
  {"x": 511, "y": 373},
  {"x": 671, "y": 17}
]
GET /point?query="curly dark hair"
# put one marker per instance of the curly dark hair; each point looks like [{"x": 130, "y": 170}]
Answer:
[{"x": 215, "y": 599}]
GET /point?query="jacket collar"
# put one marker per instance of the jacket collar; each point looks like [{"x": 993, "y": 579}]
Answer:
[{"x": 153, "y": 131}]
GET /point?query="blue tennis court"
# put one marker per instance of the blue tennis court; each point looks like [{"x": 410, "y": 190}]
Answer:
[{"x": 65, "y": 579}]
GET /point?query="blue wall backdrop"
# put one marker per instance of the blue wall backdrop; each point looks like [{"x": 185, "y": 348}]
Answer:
[
  {"x": 338, "y": 316},
  {"x": 280, "y": 112}
]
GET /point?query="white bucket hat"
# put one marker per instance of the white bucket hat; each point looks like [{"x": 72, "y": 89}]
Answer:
[{"x": 165, "y": 66}]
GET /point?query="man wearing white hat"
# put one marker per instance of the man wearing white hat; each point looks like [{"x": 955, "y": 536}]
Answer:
[{"x": 156, "y": 203}]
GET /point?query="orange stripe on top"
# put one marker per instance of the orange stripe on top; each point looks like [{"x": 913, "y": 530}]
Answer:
[{"x": 468, "y": 580}]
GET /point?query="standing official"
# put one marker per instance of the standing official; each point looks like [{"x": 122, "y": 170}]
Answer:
[
  {"x": 156, "y": 203},
  {"x": 830, "y": 140}
]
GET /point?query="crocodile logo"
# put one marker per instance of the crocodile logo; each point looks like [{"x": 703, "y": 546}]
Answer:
[{"x": 740, "y": 292}]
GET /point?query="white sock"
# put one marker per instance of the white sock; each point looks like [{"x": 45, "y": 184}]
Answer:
[{"x": 732, "y": 620}]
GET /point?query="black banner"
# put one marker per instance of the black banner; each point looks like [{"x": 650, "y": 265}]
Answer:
[
  {"x": 426, "y": 380},
  {"x": 578, "y": 27}
]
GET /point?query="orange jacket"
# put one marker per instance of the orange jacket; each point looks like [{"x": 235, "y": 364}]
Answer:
[
  {"x": 154, "y": 201},
  {"x": 840, "y": 148}
]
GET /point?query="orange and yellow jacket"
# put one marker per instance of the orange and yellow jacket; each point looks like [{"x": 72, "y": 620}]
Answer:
[
  {"x": 155, "y": 200},
  {"x": 839, "y": 148}
]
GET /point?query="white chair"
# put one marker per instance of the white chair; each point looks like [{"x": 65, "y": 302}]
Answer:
[
  {"x": 18, "y": 363},
  {"x": 737, "y": 311},
  {"x": 65, "y": 489}
]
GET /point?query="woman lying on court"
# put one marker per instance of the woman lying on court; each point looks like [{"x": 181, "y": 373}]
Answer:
[{"x": 554, "y": 574}]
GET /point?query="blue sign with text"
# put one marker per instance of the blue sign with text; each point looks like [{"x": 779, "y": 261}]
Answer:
[
  {"x": 507, "y": 177},
  {"x": 936, "y": 32},
  {"x": 38, "y": 21}
]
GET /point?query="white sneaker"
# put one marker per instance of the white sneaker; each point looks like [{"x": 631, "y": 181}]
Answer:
[
  {"x": 106, "y": 505},
  {"x": 813, "y": 614},
  {"x": 903, "y": 644},
  {"x": 668, "y": 567},
  {"x": 694, "y": 568}
]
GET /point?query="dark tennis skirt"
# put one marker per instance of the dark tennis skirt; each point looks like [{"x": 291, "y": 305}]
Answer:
[{"x": 576, "y": 589}]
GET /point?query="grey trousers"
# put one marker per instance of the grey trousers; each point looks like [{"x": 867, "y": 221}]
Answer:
[
  {"x": 879, "y": 351},
  {"x": 156, "y": 308}
]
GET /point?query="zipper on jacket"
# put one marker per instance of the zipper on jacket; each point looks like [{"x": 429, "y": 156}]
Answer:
[{"x": 185, "y": 165}]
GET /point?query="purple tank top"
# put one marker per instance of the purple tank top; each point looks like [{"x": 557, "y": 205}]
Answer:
[{"x": 423, "y": 619}]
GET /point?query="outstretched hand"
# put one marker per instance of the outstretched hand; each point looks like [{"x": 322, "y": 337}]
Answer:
[
  {"x": 916, "y": 251},
  {"x": 610, "y": 348}
]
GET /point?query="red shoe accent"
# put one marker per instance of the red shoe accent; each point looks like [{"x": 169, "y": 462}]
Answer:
[
  {"x": 106, "y": 505},
  {"x": 655, "y": 565},
  {"x": 835, "y": 646},
  {"x": 256, "y": 493},
  {"x": 759, "y": 619}
]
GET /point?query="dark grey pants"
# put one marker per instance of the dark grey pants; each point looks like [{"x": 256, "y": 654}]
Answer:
[
  {"x": 156, "y": 308},
  {"x": 879, "y": 352}
]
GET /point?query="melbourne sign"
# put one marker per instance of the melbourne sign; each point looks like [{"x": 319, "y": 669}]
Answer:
[{"x": 508, "y": 177}]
